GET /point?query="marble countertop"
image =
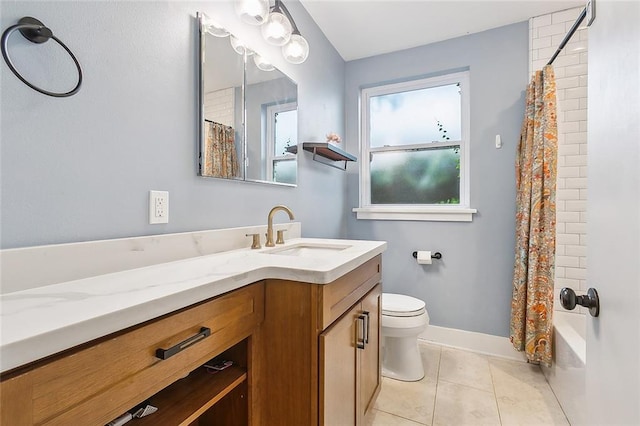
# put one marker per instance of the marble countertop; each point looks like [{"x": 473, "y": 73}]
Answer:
[{"x": 42, "y": 321}]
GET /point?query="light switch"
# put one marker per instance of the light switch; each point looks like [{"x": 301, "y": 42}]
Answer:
[{"x": 498, "y": 142}]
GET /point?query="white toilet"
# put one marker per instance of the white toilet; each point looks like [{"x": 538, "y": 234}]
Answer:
[{"x": 403, "y": 319}]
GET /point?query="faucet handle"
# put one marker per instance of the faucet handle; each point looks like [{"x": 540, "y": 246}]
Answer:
[
  {"x": 255, "y": 244},
  {"x": 280, "y": 238}
]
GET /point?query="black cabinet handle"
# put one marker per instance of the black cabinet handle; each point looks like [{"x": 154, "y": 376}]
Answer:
[
  {"x": 366, "y": 328},
  {"x": 168, "y": 353},
  {"x": 360, "y": 342}
]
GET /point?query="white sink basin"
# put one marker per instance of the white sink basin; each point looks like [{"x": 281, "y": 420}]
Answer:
[{"x": 309, "y": 250}]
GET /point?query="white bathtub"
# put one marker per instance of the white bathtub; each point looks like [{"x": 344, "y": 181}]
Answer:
[{"x": 567, "y": 373}]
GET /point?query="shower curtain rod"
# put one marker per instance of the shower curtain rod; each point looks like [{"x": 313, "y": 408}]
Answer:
[
  {"x": 566, "y": 38},
  {"x": 220, "y": 124}
]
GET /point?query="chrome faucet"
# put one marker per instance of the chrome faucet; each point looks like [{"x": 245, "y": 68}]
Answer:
[{"x": 273, "y": 211}]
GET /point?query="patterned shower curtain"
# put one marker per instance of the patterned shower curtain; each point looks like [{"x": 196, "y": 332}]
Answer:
[
  {"x": 532, "y": 302},
  {"x": 220, "y": 156}
]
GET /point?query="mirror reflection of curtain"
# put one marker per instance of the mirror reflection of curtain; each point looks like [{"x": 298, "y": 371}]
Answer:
[{"x": 220, "y": 159}]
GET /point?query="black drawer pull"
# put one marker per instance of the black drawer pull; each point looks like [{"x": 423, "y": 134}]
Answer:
[
  {"x": 366, "y": 328},
  {"x": 360, "y": 342},
  {"x": 168, "y": 353}
]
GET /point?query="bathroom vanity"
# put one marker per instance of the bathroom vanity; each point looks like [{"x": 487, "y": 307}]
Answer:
[
  {"x": 300, "y": 323},
  {"x": 320, "y": 351}
]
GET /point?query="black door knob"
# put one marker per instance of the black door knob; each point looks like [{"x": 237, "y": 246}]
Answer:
[{"x": 569, "y": 300}]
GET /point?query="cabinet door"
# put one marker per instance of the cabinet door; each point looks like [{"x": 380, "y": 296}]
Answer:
[
  {"x": 370, "y": 356},
  {"x": 338, "y": 367}
]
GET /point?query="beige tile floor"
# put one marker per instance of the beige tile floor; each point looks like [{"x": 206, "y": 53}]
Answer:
[{"x": 466, "y": 388}]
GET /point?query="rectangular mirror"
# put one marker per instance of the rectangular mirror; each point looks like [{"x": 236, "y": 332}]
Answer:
[
  {"x": 271, "y": 106},
  {"x": 248, "y": 112},
  {"x": 221, "y": 87}
]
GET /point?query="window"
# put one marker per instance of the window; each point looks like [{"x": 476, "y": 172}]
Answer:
[
  {"x": 415, "y": 136},
  {"x": 282, "y": 140}
]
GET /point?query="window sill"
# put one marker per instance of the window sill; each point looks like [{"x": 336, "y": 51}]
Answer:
[{"x": 436, "y": 214}]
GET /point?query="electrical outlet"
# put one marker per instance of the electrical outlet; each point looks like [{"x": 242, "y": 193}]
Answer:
[{"x": 158, "y": 207}]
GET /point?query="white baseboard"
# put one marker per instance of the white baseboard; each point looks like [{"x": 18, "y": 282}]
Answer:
[{"x": 486, "y": 344}]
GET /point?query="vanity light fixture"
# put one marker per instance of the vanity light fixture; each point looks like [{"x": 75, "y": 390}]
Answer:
[
  {"x": 214, "y": 28},
  {"x": 262, "y": 64},
  {"x": 296, "y": 50},
  {"x": 252, "y": 12},
  {"x": 239, "y": 47},
  {"x": 277, "y": 28},
  {"x": 280, "y": 29}
]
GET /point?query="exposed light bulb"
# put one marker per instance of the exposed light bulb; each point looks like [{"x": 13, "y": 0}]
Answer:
[
  {"x": 277, "y": 29},
  {"x": 262, "y": 64},
  {"x": 252, "y": 12},
  {"x": 215, "y": 29},
  {"x": 239, "y": 47},
  {"x": 296, "y": 50}
]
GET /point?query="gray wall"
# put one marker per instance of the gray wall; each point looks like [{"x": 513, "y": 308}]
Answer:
[
  {"x": 80, "y": 168},
  {"x": 470, "y": 289}
]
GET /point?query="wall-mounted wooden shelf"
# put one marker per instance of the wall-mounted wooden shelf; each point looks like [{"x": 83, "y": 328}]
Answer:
[{"x": 328, "y": 151}]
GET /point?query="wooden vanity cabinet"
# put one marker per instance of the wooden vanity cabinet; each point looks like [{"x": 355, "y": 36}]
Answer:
[
  {"x": 311, "y": 369},
  {"x": 100, "y": 380},
  {"x": 370, "y": 378},
  {"x": 295, "y": 348},
  {"x": 350, "y": 363}
]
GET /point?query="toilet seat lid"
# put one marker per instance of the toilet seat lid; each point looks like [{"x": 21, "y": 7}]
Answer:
[{"x": 400, "y": 305}]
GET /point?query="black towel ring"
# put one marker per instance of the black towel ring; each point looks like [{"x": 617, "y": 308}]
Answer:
[{"x": 36, "y": 32}]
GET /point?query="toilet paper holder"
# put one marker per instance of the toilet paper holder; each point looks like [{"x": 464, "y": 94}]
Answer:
[{"x": 436, "y": 255}]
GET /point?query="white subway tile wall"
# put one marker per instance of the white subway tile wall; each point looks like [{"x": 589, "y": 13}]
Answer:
[
  {"x": 219, "y": 106},
  {"x": 545, "y": 34}
]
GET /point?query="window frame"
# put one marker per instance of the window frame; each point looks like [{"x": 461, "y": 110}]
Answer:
[
  {"x": 271, "y": 158},
  {"x": 439, "y": 212}
]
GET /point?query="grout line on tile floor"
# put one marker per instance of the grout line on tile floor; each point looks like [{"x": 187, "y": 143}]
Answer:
[
  {"x": 495, "y": 394},
  {"x": 402, "y": 417},
  {"x": 435, "y": 397},
  {"x": 471, "y": 387},
  {"x": 554, "y": 393},
  {"x": 555, "y": 396}
]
